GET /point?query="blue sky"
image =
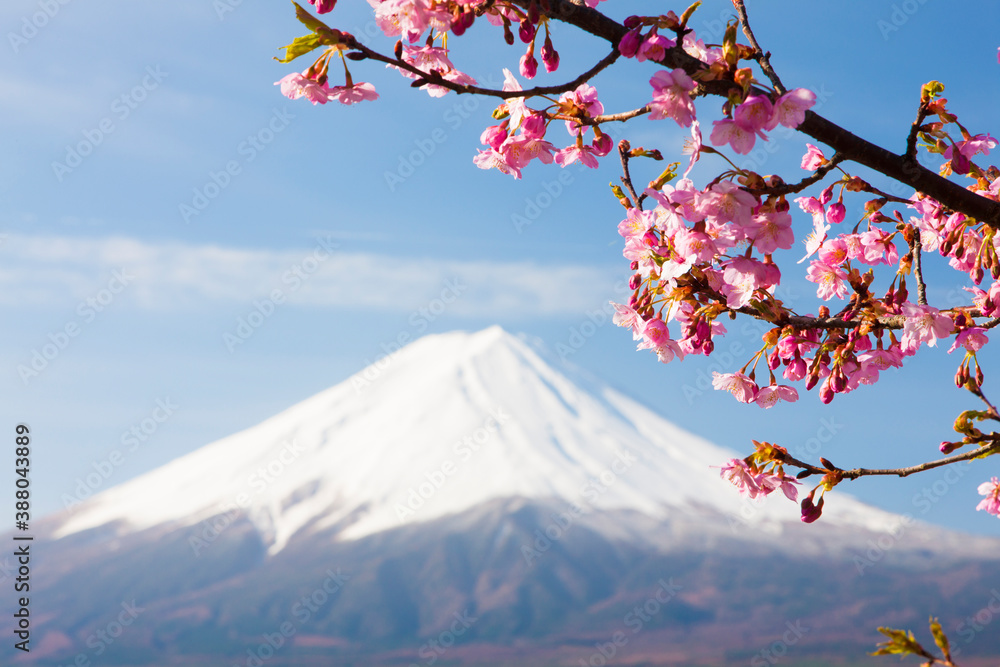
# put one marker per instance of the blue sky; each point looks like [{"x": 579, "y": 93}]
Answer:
[{"x": 122, "y": 119}]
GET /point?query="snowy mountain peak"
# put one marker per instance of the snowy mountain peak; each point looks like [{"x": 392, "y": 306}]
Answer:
[{"x": 447, "y": 423}]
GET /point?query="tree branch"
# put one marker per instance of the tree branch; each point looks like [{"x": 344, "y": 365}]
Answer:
[
  {"x": 437, "y": 80},
  {"x": 899, "y": 472},
  {"x": 763, "y": 58},
  {"x": 898, "y": 167}
]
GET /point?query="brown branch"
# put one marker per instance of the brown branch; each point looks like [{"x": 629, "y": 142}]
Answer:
[
  {"x": 763, "y": 58},
  {"x": 623, "y": 148},
  {"x": 617, "y": 117},
  {"x": 918, "y": 272},
  {"x": 787, "y": 189},
  {"x": 436, "y": 79},
  {"x": 898, "y": 472},
  {"x": 898, "y": 167},
  {"x": 894, "y": 322}
]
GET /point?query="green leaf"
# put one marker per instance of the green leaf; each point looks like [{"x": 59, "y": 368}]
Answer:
[
  {"x": 301, "y": 46},
  {"x": 900, "y": 642},
  {"x": 940, "y": 639},
  {"x": 308, "y": 20}
]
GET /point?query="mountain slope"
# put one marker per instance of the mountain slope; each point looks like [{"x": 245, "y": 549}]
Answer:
[{"x": 448, "y": 423}]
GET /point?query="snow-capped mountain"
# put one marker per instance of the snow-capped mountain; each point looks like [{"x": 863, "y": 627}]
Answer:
[
  {"x": 468, "y": 475},
  {"x": 448, "y": 423}
]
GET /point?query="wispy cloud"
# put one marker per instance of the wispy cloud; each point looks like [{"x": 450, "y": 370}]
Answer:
[{"x": 41, "y": 271}]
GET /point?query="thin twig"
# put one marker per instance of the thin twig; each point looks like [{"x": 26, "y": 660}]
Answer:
[
  {"x": 623, "y": 148},
  {"x": 436, "y": 79},
  {"x": 792, "y": 188},
  {"x": 899, "y": 472},
  {"x": 762, "y": 57},
  {"x": 918, "y": 273}
]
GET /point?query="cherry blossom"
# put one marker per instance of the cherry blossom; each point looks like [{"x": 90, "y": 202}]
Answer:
[{"x": 991, "y": 503}]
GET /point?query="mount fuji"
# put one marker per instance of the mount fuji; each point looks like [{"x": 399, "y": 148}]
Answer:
[{"x": 464, "y": 501}]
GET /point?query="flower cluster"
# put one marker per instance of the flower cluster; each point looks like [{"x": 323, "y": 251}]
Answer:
[{"x": 701, "y": 254}]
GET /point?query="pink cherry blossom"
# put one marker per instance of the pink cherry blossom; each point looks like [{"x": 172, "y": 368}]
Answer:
[
  {"x": 829, "y": 280},
  {"x": 671, "y": 97},
  {"x": 767, "y": 397},
  {"x": 739, "y": 385},
  {"x": 727, "y": 202},
  {"x": 790, "y": 109},
  {"x": 693, "y": 145},
  {"x": 738, "y": 473},
  {"x": 788, "y": 485},
  {"x": 972, "y": 339},
  {"x": 924, "y": 324},
  {"x": 775, "y": 231},
  {"x": 654, "y": 47},
  {"x": 295, "y": 86},
  {"x": 755, "y": 114},
  {"x": 730, "y": 132},
  {"x": 570, "y": 154},
  {"x": 991, "y": 503},
  {"x": 584, "y": 97},
  {"x": 813, "y": 159},
  {"x": 818, "y": 235},
  {"x": 359, "y": 92},
  {"x": 625, "y": 316}
]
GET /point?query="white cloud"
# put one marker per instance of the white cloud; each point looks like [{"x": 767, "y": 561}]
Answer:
[{"x": 40, "y": 271}]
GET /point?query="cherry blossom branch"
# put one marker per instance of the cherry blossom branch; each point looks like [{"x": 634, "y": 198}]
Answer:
[
  {"x": 763, "y": 58},
  {"x": 806, "y": 322},
  {"x": 616, "y": 117},
  {"x": 898, "y": 167},
  {"x": 623, "y": 148},
  {"x": 787, "y": 189},
  {"x": 918, "y": 273},
  {"x": 911, "y": 139},
  {"x": 898, "y": 472},
  {"x": 436, "y": 79}
]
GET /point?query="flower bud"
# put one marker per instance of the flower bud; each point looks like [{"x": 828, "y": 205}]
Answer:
[
  {"x": 629, "y": 45},
  {"x": 948, "y": 447},
  {"x": 526, "y": 32},
  {"x": 550, "y": 57},
  {"x": 825, "y": 393},
  {"x": 835, "y": 214},
  {"x": 636, "y": 280},
  {"x": 528, "y": 65}
]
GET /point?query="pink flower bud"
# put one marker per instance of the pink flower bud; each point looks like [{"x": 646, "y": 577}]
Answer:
[
  {"x": 550, "y": 57},
  {"x": 629, "y": 45},
  {"x": 811, "y": 511},
  {"x": 602, "y": 146},
  {"x": 835, "y": 214},
  {"x": 826, "y": 195},
  {"x": 528, "y": 66},
  {"x": 526, "y": 32}
]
